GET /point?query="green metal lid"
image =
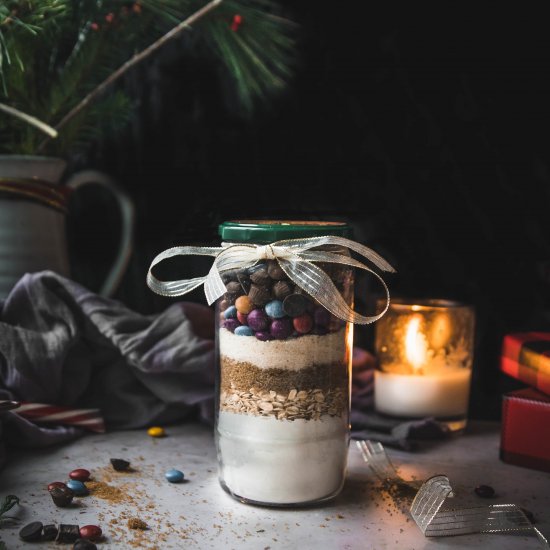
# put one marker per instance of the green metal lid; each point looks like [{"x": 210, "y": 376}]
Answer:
[{"x": 268, "y": 231}]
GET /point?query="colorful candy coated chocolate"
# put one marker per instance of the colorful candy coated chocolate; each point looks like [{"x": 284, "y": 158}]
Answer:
[
  {"x": 90, "y": 532},
  {"x": 230, "y": 312},
  {"x": 303, "y": 324},
  {"x": 263, "y": 336},
  {"x": 242, "y": 318},
  {"x": 231, "y": 324},
  {"x": 80, "y": 474},
  {"x": 243, "y": 330},
  {"x": 275, "y": 309},
  {"x": 174, "y": 476},
  {"x": 243, "y": 304},
  {"x": 257, "y": 320},
  {"x": 156, "y": 431},
  {"x": 281, "y": 328},
  {"x": 77, "y": 487}
]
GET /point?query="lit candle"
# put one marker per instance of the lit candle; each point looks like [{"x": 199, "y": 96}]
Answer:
[{"x": 425, "y": 356}]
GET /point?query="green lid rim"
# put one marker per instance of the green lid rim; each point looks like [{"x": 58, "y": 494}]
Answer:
[{"x": 268, "y": 231}]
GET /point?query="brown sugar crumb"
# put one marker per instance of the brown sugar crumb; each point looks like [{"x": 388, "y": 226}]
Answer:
[
  {"x": 103, "y": 490},
  {"x": 136, "y": 523}
]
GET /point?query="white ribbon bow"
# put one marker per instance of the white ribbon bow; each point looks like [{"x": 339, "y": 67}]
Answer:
[{"x": 295, "y": 258}]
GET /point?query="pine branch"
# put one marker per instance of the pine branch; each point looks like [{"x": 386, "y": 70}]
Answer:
[{"x": 137, "y": 58}]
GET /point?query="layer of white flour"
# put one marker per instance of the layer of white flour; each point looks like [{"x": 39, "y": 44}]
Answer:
[
  {"x": 281, "y": 462},
  {"x": 292, "y": 353}
]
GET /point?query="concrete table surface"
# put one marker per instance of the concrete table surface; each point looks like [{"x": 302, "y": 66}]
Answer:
[{"x": 199, "y": 514}]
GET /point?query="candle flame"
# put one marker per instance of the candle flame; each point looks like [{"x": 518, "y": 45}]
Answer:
[{"x": 415, "y": 344}]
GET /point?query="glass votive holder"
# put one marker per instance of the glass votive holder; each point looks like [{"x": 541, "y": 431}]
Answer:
[{"x": 425, "y": 357}]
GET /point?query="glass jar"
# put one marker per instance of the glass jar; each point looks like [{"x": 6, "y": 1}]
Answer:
[
  {"x": 283, "y": 384},
  {"x": 425, "y": 357}
]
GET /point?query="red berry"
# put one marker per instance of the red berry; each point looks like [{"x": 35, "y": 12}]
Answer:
[
  {"x": 90, "y": 532},
  {"x": 80, "y": 474},
  {"x": 303, "y": 324}
]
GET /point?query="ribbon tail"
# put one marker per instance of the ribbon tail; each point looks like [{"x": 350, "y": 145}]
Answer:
[{"x": 320, "y": 286}]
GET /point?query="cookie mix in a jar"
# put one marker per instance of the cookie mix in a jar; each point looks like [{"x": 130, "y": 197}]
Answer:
[{"x": 284, "y": 311}]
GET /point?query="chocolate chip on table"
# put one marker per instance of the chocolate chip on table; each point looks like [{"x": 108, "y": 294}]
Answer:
[
  {"x": 484, "y": 491},
  {"x": 31, "y": 532},
  {"x": 67, "y": 533},
  {"x": 83, "y": 544},
  {"x": 119, "y": 464},
  {"x": 62, "y": 496},
  {"x": 49, "y": 532}
]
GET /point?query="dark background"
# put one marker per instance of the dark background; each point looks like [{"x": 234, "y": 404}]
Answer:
[{"x": 428, "y": 132}]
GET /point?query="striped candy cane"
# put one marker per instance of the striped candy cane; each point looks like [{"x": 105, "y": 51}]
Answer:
[{"x": 40, "y": 413}]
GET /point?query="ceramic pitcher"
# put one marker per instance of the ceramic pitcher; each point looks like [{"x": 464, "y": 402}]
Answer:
[{"x": 33, "y": 207}]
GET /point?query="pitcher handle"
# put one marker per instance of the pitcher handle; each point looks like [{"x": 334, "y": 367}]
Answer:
[{"x": 127, "y": 216}]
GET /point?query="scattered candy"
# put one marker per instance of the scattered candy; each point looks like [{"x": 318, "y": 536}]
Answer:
[
  {"x": 77, "y": 487},
  {"x": 90, "y": 532},
  {"x": 243, "y": 330},
  {"x": 55, "y": 484},
  {"x": 83, "y": 544},
  {"x": 119, "y": 464},
  {"x": 80, "y": 474},
  {"x": 243, "y": 304},
  {"x": 156, "y": 431},
  {"x": 174, "y": 476},
  {"x": 67, "y": 533},
  {"x": 263, "y": 336},
  {"x": 275, "y": 309},
  {"x": 49, "y": 532},
  {"x": 230, "y": 312},
  {"x": 62, "y": 496},
  {"x": 484, "y": 491},
  {"x": 31, "y": 532}
]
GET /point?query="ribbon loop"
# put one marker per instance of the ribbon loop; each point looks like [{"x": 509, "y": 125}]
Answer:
[{"x": 295, "y": 258}]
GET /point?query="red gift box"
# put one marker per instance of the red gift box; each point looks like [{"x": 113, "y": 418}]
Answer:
[
  {"x": 525, "y": 436},
  {"x": 526, "y": 356}
]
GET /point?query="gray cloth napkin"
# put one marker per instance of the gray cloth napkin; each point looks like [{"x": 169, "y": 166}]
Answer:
[{"x": 62, "y": 344}]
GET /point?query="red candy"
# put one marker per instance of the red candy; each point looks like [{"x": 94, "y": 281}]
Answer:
[
  {"x": 303, "y": 324},
  {"x": 55, "y": 484},
  {"x": 242, "y": 317},
  {"x": 90, "y": 532},
  {"x": 80, "y": 474}
]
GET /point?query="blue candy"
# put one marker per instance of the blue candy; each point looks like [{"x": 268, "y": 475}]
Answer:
[
  {"x": 77, "y": 487},
  {"x": 230, "y": 312},
  {"x": 243, "y": 330},
  {"x": 275, "y": 309},
  {"x": 174, "y": 476}
]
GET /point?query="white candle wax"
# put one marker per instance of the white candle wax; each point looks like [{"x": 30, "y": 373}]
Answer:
[{"x": 442, "y": 393}]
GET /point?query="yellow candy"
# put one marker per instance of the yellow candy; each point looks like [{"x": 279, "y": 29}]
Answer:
[
  {"x": 156, "y": 431},
  {"x": 244, "y": 305}
]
